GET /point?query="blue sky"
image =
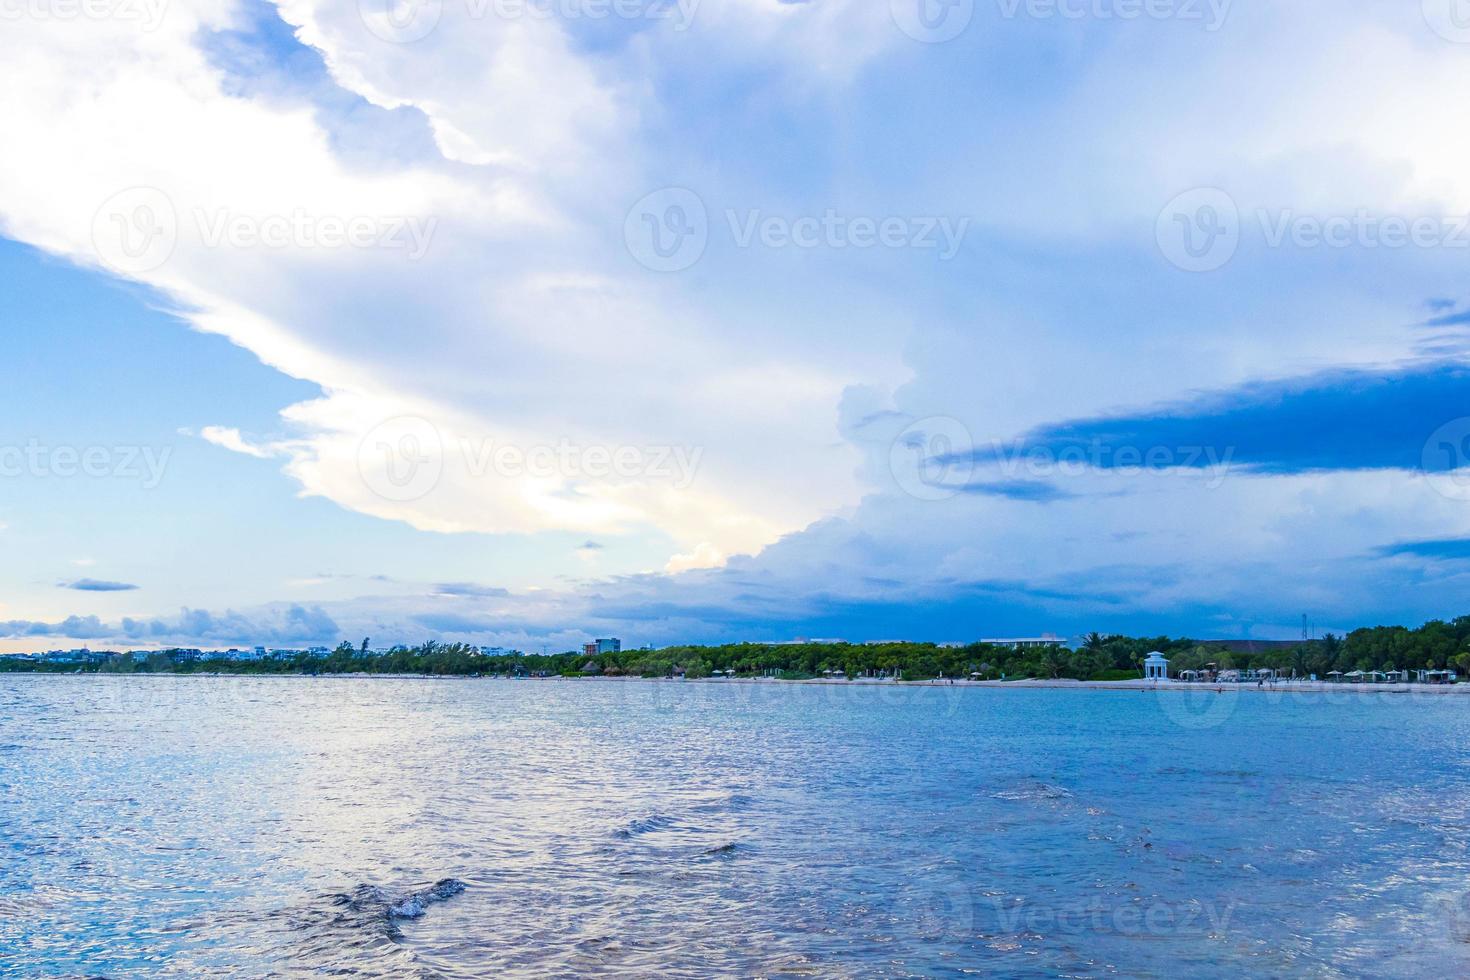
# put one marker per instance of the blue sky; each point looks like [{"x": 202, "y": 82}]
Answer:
[{"x": 729, "y": 321}]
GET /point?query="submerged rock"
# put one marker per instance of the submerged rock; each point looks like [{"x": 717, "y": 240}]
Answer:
[{"x": 414, "y": 905}]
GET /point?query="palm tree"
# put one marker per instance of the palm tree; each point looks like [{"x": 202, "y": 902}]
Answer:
[
  {"x": 1054, "y": 661},
  {"x": 1331, "y": 649}
]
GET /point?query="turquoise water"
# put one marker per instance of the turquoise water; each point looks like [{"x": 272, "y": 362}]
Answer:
[{"x": 176, "y": 826}]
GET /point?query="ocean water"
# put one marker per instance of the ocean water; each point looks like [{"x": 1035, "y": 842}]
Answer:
[{"x": 197, "y": 827}]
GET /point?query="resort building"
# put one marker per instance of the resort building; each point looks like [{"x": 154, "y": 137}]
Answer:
[
  {"x": 1156, "y": 667},
  {"x": 1028, "y": 642}
]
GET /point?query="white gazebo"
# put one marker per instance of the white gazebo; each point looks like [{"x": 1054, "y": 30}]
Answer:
[{"x": 1156, "y": 667}]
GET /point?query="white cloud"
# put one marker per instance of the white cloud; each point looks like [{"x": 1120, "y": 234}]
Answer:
[
  {"x": 704, "y": 556},
  {"x": 526, "y": 326},
  {"x": 232, "y": 440},
  {"x": 517, "y": 327}
]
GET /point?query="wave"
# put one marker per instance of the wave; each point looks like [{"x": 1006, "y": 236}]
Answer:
[
  {"x": 646, "y": 825},
  {"x": 368, "y": 907},
  {"x": 1037, "y": 792},
  {"x": 416, "y": 904}
]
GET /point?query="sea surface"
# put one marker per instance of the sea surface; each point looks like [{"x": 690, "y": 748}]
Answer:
[{"x": 293, "y": 827}]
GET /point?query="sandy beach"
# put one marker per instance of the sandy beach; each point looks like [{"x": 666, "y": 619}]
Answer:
[{"x": 1280, "y": 687}]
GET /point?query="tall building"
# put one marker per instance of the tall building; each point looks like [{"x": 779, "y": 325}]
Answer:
[{"x": 613, "y": 645}]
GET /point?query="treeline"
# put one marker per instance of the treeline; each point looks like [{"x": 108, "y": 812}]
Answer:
[
  {"x": 914, "y": 661},
  {"x": 1436, "y": 645}
]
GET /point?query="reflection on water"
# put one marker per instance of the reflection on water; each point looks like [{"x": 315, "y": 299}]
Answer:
[{"x": 177, "y": 826}]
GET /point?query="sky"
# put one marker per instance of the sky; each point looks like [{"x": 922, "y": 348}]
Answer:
[{"x": 523, "y": 322}]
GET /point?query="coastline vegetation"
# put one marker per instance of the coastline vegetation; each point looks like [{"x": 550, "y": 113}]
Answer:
[{"x": 1436, "y": 645}]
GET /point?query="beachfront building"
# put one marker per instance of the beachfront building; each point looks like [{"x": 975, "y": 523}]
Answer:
[
  {"x": 1026, "y": 642},
  {"x": 1156, "y": 667},
  {"x": 613, "y": 645}
]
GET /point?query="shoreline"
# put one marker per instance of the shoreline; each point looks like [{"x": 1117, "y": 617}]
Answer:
[{"x": 1029, "y": 684}]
